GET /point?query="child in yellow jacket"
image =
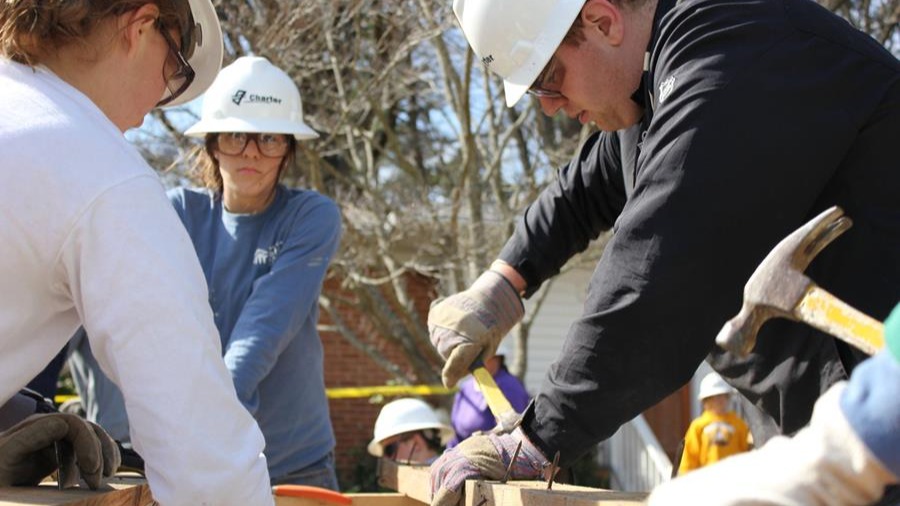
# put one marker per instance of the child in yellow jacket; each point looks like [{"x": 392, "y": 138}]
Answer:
[{"x": 718, "y": 432}]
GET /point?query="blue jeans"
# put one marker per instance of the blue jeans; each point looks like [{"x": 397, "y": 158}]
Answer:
[{"x": 318, "y": 474}]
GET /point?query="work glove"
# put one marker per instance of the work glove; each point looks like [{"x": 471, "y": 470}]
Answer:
[
  {"x": 470, "y": 324},
  {"x": 484, "y": 456},
  {"x": 27, "y": 451}
]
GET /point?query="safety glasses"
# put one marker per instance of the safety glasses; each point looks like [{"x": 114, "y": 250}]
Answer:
[
  {"x": 184, "y": 74},
  {"x": 547, "y": 75},
  {"x": 269, "y": 145},
  {"x": 390, "y": 451}
]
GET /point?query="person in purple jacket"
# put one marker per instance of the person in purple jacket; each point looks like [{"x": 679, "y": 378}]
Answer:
[{"x": 470, "y": 413}]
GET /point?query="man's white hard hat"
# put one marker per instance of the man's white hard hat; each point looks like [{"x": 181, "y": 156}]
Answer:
[
  {"x": 252, "y": 95},
  {"x": 516, "y": 38},
  {"x": 405, "y": 415},
  {"x": 713, "y": 384},
  {"x": 205, "y": 55}
]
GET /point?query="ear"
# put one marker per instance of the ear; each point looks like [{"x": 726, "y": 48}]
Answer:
[
  {"x": 604, "y": 18},
  {"x": 136, "y": 26}
]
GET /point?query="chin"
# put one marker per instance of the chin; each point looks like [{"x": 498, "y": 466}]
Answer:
[{"x": 621, "y": 121}]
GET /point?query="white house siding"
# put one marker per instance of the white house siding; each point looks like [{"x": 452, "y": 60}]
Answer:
[{"x": 562, "y": 306}]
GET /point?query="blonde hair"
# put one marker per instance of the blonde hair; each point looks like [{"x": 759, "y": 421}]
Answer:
[
  {"x": 32, "y": 29},
  {"x": 206, "y": 167}
]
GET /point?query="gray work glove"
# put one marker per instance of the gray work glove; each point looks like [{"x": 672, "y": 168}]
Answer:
[
  {"x": 470, "y": 324},
  {"x": 484, "y": 456},
  {"x": 27, "y": 453}
]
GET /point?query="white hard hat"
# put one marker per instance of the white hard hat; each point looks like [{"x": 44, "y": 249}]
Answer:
[
  {"x": 252, "y": 95},
  {"x": 516, "y": 38},
  {"x": 205, "y": 57},
  {"x": 405, "y": 415},
  {"x": 713, "y": 384}
]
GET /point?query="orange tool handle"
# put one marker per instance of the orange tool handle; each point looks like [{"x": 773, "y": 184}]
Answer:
[{"x": 322, "y": 494}]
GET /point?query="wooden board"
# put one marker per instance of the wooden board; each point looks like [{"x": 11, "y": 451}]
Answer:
[
  {"x": 388, "y": 499},
  {"x": 119, "y": 492},
  {"x": 529, "y": 493},
  {"x": 411, "y": 480}
]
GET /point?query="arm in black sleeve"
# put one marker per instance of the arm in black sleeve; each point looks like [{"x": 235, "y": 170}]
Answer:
[
  {"x": 584, "y": 200},
  {"x": 753, "y": 120}
]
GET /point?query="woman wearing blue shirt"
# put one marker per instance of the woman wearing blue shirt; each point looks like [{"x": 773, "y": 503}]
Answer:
[{"x": 264, "y": 250}]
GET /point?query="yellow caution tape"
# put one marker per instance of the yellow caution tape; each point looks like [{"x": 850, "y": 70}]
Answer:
[
  {"x": 356, "y": 392},
  {"x": 387, "y": 390}
]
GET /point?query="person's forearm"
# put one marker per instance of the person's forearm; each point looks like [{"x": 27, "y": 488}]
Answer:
[{"x": 511, "y": 275}]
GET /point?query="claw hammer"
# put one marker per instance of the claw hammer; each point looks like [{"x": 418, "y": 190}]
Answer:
[{"x": 778, "y": 288}]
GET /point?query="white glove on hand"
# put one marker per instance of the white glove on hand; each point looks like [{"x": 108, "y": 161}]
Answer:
[
  {"x": 485, "y": 456},
  {"x": 471, "y": 323},
  {"x": 27, "y": 453},
  {"x": 825, "y": 464}
]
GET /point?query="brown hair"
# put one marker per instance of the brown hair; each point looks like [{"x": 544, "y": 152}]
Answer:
[
  {"x": 206, "y": 166},
  {"x": 31, "y": 29},
  {"x": 575, "y": 36}
]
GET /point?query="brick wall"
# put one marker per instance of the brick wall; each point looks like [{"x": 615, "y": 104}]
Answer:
[{"x": 346, "y": 366}]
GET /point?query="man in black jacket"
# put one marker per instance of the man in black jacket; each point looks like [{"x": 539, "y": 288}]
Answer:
[{"x": 726, "y": 126}]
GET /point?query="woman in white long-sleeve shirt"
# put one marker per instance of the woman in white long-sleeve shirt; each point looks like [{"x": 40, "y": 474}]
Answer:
[
  {"x": 89, "y": 237},
  {"x": 264, "y": 249}
]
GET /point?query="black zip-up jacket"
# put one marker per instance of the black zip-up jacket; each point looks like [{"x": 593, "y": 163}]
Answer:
[{"x": 759, "y": 115}]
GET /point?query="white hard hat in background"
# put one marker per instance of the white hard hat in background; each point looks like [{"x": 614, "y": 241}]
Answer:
[
  {"x": 252, "y": 95},
  {"x": 205, "y": 57},
  {"x": 713, "y": 384},
  {"x": 516, "y": 38},
  {"x": 405, "y": 415}
]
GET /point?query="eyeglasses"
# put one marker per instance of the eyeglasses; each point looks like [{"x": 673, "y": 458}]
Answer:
[
  {"x": 390, "y": 451},
  {"x": 183, "y": 76},
  {"x": 548, "y": 74},
  {"x": 269, "y": 145}
]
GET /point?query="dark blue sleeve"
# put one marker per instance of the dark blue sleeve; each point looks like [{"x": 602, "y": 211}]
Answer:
[{"x": 584, "y": 201}]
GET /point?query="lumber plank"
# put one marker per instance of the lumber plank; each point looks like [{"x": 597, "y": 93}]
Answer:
[
  {"x": 117, "y": 493},
  {"x": 411, "y": 480},
  {"x": 362, "y": 499},
  {"x": 531, "y": 493}
]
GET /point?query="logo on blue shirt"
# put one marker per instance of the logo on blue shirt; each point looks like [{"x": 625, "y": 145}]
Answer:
[{"x": 268, "y": 255}]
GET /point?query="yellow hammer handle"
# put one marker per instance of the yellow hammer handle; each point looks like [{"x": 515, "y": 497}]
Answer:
[
  {"x": 829, "y": 314},
  {"x": 492, "y": 393}
]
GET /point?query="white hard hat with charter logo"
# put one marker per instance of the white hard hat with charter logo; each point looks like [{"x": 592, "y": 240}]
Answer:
[
  {"x": 204, "y": 51},
  {"x": 252, "y": 95},
  {"x": 516, "y": 38},
  {"x": 405, "y": 415}
]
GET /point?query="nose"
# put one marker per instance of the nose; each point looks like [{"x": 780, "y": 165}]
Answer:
[
  {"x": 551, "y": 105},
  {"x": 254, "y": 153}
]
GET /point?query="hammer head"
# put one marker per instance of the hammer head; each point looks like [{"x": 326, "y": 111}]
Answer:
[{"x": 778, "y": 284}]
